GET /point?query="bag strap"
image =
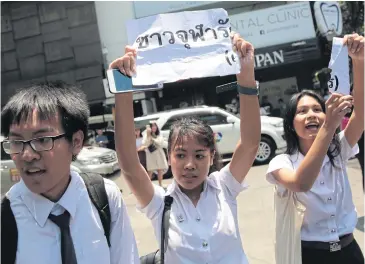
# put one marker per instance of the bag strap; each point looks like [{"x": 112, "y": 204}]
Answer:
[
  {"x": 96, "y": 189},
  {"x": 9, "y": 233},
  {"x": 165, "y": 226},
  {"x": 297, "y": 203}
]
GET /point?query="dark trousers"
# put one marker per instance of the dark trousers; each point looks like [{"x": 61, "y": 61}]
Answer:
[
  {"x": 349, "y": 255},
  {"x": 142, "y": 158}
]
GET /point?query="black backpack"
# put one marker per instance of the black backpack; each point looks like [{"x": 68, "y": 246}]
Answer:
[{"x": 9, "y": 231}]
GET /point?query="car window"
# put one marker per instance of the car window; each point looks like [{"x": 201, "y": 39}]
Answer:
[
  {"x": 210, "y": 118},
  {"x": 173, "y": 119},
  {"x": 142, "y": 123},
  {"x": 109, "y": 135},
  {"x": 4, "y": 156},
  {"x": 213, "y": 119}
]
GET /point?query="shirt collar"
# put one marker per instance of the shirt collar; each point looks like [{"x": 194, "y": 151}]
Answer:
[
  {"x": 174, "y": 187},
  {"x": 40, "y": 207}
]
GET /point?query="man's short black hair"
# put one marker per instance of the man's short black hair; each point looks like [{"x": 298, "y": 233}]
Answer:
[{"x": 48, "y": 99}]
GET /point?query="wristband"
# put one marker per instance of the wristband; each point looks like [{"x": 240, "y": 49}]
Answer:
[{"x": 248, "y": 90}]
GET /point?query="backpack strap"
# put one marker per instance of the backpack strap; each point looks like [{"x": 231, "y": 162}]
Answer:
[
  {"x": 9, "y": 233},
  {"x": 165, "y": 226},
  {"x": 97, "y": 193}
]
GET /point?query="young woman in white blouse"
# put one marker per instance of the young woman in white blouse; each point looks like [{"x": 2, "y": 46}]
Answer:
[
  {"x": 203, "y": 219},
  {"x": 314, "y": 167}
]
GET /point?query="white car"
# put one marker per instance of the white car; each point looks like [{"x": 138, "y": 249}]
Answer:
[
  {"x": 142, "y": 121},
  {"x": 226, "y": 127},
  {"x": 98, "y": 160}
]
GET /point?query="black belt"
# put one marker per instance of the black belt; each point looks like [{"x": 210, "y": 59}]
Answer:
[{"x": 330, "y": 246}]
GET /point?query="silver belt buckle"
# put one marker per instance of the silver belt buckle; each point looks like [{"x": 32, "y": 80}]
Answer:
[{"x": 335, "y": 246}]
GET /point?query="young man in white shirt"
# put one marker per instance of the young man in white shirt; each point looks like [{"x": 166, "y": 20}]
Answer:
[{"x": 46, "y": 127}]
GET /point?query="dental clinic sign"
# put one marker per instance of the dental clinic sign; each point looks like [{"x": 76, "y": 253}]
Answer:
[
  {"x": 276, "y": 25},
  {"x": 329, "y": 18}
]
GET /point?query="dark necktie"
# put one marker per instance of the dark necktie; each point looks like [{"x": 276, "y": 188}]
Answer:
[{"x": 67, "y": 246}]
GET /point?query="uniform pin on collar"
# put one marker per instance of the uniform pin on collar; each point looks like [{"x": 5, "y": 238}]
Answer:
[{"x": 180, "y": 218}]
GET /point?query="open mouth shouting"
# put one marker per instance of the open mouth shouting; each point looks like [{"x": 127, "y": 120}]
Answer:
[
  {"x": 312, "y": 126},
  {"x": 33, "y": 171}
]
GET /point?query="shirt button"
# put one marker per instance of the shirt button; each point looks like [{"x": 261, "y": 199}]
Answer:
[
  {"x": 332, "y": 216},
  {"x": 205, "y": 244},
  {"x": 329, "y": 199},
  {"x": 333, "y": 231},
  {"x": 322, "y": 182},
  {"x": 198, "y": 219}
]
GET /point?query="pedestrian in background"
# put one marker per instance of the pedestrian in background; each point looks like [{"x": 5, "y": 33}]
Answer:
[
  {"x": 101, "y": 140},
  {"x": 155, "y": 155},
  {"x": 282, "y": 107},
  {"x": 141, "y": 149}
]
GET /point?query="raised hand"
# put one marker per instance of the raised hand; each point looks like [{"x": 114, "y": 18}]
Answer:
[
  {"x": 127, "y": 63},
  {"x": 148, "y": 130},
  {"x": 355, "y": 45},
  {"x": 337, "y": 106},
  {"x": 245, "y": 51},
  {"x": 246, "y": 54}
]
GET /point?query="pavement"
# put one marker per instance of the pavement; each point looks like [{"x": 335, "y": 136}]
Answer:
[{"x": 255, "y": 214}]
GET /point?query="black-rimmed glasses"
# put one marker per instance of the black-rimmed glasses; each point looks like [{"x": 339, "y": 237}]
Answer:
[{"x": 37, "y": 144}]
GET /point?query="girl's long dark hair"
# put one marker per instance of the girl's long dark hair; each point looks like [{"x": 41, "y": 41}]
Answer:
[{"x": 291, "y": 136}]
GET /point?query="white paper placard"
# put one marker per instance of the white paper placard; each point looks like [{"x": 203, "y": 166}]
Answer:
[
  {"x": 339, "y": 64},
  {"x": 183, "y": 45}
]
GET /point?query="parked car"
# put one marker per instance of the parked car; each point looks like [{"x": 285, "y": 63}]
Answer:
[
  {"x": 91, "y": 159},
  {"x": 226, "y": 127},
  {"x": 98, "y": 160},
  {"x": 108, "y": 132}
]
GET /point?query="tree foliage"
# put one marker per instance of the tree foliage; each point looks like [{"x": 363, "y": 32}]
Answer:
[{"x": 352, "y": 16}]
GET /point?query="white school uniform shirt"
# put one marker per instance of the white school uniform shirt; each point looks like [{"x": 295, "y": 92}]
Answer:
[
  {"x": 330, "y": 212},
  {"x": 139, "y": 142},
  {"x": 207, "y": 233},
  {"x": 39, "y": 239}
]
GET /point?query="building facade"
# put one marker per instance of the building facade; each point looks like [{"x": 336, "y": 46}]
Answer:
[
  {"x": 76, "y": 41},
  {"x": 47, "y": 41},
  {"x": 288, "y": 49}
]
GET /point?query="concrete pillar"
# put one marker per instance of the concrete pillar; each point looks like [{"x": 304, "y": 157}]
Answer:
[{"x": 147, "y": 106}]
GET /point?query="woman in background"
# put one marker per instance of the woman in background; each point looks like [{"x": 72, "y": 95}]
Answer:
[{"x": 155, "y": 155}]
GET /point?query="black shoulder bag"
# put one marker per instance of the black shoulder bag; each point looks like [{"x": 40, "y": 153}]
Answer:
[{"x": 158, "y": 257}]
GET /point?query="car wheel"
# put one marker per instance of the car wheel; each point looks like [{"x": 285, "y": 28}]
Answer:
[{"x": 266, "y": 151}]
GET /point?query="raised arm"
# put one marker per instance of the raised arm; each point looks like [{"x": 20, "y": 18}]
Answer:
[
  {"x": 304, "y": 177},
  {"x": 159, "y": 141},
  {"x": 250, "y": 127},
  {"x": 134, "y": 173},
  {"x": 355, "y": 127}
]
